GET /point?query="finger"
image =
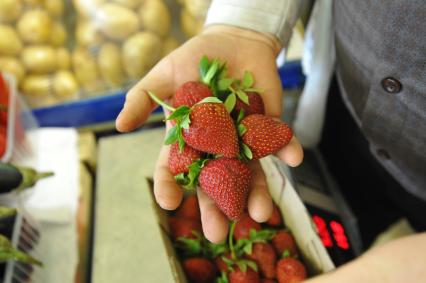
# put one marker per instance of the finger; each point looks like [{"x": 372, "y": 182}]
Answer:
[
  {"x": 138, "y": 104},
  {"x": 292, "y": 154},
  {"x": 215, "y": 223},
  {"x": 259, "y": 201},
  {"x": 168, "y": 193}
]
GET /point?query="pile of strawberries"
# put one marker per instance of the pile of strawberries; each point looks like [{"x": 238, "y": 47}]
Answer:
[
  {"x": 252, "y": 253},
  {"x": 218, "y": 127}
]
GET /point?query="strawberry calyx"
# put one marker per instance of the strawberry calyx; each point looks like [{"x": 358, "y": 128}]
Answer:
[
  {"x": 213, "y": 73},
  {"x": 200, "y": 246},
  {"x": 190, "y": 180},
  {"x": 245, "y": 151},
  {"x": 223, "y": 278},
  {"x": 245, "y": 246}
]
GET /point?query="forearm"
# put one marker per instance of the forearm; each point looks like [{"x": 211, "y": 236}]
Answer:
[
  {"x": 273, "y": 17},
  {"x": 402, "y": 260}
]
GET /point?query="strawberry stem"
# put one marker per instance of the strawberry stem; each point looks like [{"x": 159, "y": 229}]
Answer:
[
  {"x": 160, "y": 102},
  {"x": 230, "y": 241}
]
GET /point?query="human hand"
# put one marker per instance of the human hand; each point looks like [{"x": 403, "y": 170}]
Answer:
[{"x": 242, "y": 50}]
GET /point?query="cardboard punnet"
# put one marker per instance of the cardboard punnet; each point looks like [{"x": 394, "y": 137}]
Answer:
[{"x": 131, "y": 240}]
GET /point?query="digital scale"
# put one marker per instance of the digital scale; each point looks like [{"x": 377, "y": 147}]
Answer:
[{"x": 336, "y": 224}]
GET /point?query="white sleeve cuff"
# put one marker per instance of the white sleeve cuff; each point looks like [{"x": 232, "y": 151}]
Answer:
[{"x": 276, "y": 17}]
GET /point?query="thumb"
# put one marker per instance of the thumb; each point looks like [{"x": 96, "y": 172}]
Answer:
[{"x": 138, "y": 105}]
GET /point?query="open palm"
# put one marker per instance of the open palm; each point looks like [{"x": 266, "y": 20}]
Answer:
[{"x": 242, "y": 50}]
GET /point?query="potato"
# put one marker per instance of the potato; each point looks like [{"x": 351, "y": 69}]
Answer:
[
  {"x": 132, "y": 4},
  {"x": 10, "y": 10},
  {"x": 155, "y": 17},
  {"x": 85, "y": 70},
  {"x": 64, "y": 84},
  {"x": 54, "y": 7},
  {"x": 10, "y": 44},
  {"x": 109, "y": 63},
  {"x": 39, "y": 59},
  {"x": 63, "y": 59},
  {"x": 87, "y": 8},
  {"x": 140, "y": 53},
  {"x": 33, "y": 3},
  {"x": 35, "y": 26},
  {"x": 117, "y": 22},
  {"x": 87, "y": 34},
  {"x": 190, "y": 25},
  {"x": 169, "y": 45},
  {"x": 13, "y": 66},
  {"x": 197, "y": 8},
  {"x": 36, "y": 85},
  {"x": 58, "y": 36}
]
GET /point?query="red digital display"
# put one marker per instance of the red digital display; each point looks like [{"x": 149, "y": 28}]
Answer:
[{"x": 337, "y": 230}]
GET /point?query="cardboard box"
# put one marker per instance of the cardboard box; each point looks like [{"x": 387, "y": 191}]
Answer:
[{"x": 131, "y": 230}]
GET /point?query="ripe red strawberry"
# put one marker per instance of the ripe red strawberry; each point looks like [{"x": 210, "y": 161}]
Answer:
[
  {"x": 284, "y": 240},
  {"x": 238, "y": 276},
  {"x": 189, "y": 208},
  {"x": 190, "y": 93},
  {"x": 179, "y": 161},
  {"x": 199, "y": 270},
  {"x": 265, "y": 280},
  {"x": 227, "y": 181},
  {"x": 255, "y": 105},
  {"x": 275, "y": 219},
  {"x": 212, "y": 130},
  {"x": 243, "y": 227},
  {"x": 183, "y": 227},
  {"x": 265, "y": 135},
  {"x": 290, "y": 270},
  {"x": 264, "y": 255}
]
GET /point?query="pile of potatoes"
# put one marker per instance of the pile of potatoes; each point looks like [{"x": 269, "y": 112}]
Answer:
[
  {"x": 193, "y": 15},
  {"x": 118, "y": 41},
  {"x": 33, "y": 47},
  {"x": 106, "y": 45}
]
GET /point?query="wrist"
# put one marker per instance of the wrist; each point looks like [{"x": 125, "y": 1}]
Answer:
[{"x": 270, "y": 40}]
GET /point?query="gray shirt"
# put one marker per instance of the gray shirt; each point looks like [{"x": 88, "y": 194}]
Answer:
[{"x": 381, "y": 69}]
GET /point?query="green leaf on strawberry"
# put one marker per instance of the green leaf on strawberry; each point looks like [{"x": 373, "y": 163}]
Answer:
[
  {"x": 211, "y": 72},
  {"x": 210, "y": 99},
  {"x": 223, "y": 278},
  {"x": 204, "y": 66},
  {"x": 189, "y": 247},
  {"x": 246, "y": 151},
  {"x": 240, "y": 116},
  {"x": 242, "y": 96},
  {"x": 244, "y": 263},
  {"x": 171, "y": 136},
  {"x": 241, "y": 130},
  {"x": 230, "y": 102},
  {"x": 179, "y": 112},
  {"x": 224, "y": 84},
  {"x": 248, "y": 80}
]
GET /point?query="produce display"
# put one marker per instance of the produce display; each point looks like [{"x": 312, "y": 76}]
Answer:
[
  {"x": 253, "y": 252},
  {"x": 218, "y": 127},
  {"x": 63, "y": 50},
  {"x": 192, "y": 16}
]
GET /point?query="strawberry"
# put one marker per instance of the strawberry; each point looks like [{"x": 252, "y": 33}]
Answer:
[
  {"x": 238, "y": 276},
  {"x": 255, "y": 105},
  {"x": 275, "y": 219},
  {"x": 189, "y": 208},
  {"x": 190, "y": 93},
  {"x": 264, "y": 135},
  {"x": 199, "y": 270},
  {"x": 212, "y": 130},
  {"x": 265, "y": 280},
  {"x": 227, "y": 181},
  {"x": 264, "y": 255},
  {"x": 183, "y": 227},
  {"x": 284, "y": 241},
  {"x": 290, "y": 270},
  {"x": 243, "y": 227},
  {"x": 179, "y": 161}
]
